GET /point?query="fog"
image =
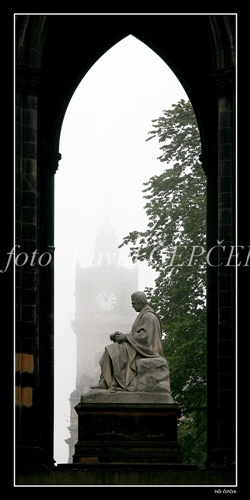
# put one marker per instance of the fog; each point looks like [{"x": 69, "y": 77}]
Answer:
[{"x": 105, "y": 161}]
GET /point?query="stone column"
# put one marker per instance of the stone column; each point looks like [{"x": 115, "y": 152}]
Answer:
[
  {"x": 28, "y": 446},
  {"x": 210, "y": 165},
  {"x": 227, "y": 268},
  {"x": 222, "y": 445},
  {"x": 35, "y": 169},
  {"x": 48, "y": 163}
]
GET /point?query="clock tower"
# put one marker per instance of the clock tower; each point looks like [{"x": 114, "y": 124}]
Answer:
[{"x": 102, "y": 305}]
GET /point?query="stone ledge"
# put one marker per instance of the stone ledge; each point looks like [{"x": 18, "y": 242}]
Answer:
[
  {"x": 125, "y": 397},
  {"x": 127, "y": 475}
]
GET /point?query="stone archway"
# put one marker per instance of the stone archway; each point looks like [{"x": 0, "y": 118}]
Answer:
[{"x": 49, "y": 66}]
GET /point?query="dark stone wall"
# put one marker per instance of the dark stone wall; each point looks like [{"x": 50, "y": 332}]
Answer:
[{"x": 53, "y": 53}]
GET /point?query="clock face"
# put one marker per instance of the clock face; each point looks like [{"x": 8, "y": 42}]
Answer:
[{"x": 106, "y": 300}]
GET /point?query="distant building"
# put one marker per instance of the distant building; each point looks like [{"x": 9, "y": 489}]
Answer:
[{"x": 102, "y": 306}]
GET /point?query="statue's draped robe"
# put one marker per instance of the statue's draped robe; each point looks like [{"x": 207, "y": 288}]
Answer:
[{"x": 118, "y": 363}]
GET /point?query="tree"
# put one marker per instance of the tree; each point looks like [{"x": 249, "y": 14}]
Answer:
[{"x": 174, "y": 246}]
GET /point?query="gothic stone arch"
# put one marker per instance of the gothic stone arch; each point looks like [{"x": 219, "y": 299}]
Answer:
[{"x": 53, "y": 53}]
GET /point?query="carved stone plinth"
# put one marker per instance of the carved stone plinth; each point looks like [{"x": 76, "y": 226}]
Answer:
[{"x": 127, "y": 428}]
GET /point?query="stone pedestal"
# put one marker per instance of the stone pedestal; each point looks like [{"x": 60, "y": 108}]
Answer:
[{"x": 127, "y": 428}]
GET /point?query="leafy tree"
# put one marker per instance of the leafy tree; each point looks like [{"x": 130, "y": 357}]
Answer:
[{"x": 174, "y": 246}]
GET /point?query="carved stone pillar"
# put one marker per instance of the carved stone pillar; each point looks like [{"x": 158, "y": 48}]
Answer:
[
  {"x": 221, "y": 403},
  {"x": 28, "y": 445},
  {"x": 34, "y": 270}
]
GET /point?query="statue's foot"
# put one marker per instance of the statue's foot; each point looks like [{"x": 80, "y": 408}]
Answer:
[
  {"x": 101, "y": 385},
  {"x": 116, "y": 389}
]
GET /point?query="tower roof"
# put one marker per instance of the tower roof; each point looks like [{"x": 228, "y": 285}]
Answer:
[
  {"x": 106, "y": 240},
  {"x": 106, "y": 244}
]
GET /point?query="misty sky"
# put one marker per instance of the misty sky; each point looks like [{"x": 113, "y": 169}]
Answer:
[{"x": 105, "y": 161}]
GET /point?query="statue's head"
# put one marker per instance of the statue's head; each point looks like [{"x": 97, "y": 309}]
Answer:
[{"x": 139, "y": 297}]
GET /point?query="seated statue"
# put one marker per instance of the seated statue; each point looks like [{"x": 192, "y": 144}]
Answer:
[{"x": 131, "y": 363}]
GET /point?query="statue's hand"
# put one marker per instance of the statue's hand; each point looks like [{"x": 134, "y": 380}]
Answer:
[
  {"x": 120, "y": 337},
  {"x": 112, "y": 336}
]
